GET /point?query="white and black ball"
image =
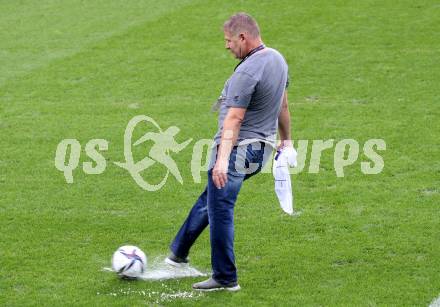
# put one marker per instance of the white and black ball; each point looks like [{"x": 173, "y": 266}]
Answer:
[{"x": 129, "y": 262}]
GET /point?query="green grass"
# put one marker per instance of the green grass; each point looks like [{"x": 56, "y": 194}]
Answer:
[{"x": 359, "y": 69}]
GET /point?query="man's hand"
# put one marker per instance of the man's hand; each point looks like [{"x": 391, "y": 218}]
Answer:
[
  {"x": 231, "y": 129},
  {"x": 220, "y": 174},
  {"x": 284, "y": 144},
  {"x": 289, "y": 152}
]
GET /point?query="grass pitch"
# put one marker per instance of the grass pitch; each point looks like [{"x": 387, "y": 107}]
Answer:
[{"x": 359, "y": 69}]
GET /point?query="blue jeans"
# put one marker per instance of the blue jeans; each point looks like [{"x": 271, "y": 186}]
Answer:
[{"x": 215, "y": 207}]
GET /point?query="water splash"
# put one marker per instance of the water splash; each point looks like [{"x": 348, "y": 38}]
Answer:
[
  {"x": 159, "y": 270},
  {"x": 435, "y": 303},
  {"x": 158, "y": 297}
]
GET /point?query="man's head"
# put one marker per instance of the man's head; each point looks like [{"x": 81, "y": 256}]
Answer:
[{"x": 242, "y": 34}]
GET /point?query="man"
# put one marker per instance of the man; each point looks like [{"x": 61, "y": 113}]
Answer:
[{"x": 253, "y": 103}]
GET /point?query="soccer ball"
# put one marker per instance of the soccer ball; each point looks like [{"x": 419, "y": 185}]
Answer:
[{"x": 129, "y": 262}]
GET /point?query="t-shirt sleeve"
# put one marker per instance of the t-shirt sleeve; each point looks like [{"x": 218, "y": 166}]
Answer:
[{"x": 240, "y": 90}]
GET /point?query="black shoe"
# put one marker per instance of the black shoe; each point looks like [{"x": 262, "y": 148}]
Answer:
[
  {"x": 176, "y": 261},
  {"x": 212, "y": 285}
]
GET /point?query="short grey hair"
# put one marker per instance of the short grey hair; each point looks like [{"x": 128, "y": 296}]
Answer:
[{"x": 242, "y": 22}]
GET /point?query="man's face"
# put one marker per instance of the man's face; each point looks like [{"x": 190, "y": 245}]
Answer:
[{"x": 235, "y": 44}]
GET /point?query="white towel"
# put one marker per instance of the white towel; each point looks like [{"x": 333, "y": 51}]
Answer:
[{"x": 284, "y": 158}]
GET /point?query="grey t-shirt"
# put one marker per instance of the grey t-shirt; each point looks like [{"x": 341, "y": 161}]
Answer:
[{"x": 257, "y": 85}]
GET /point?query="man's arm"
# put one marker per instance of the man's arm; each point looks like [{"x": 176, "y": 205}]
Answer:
[
  {"x": 284, "y": 123},
  {"x": 231, "y": 129}
]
